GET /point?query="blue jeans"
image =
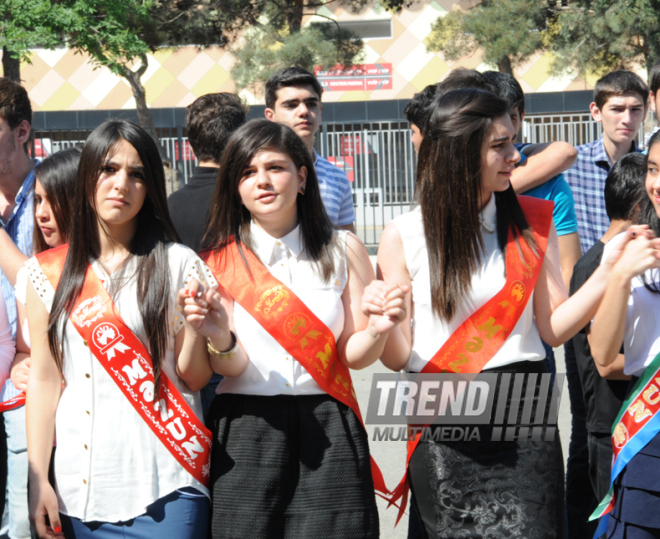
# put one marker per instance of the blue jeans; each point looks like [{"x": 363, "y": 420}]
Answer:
[
  {"x": 183, "y": 514},
  {"x": 17, "y": 475}
]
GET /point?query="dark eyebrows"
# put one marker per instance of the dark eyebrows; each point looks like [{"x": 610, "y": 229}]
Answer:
[
  {"x": 139, "y": 168},
  {"x": 296, "y": 101},
  {"x": 651, "y": 162},
  {"x": 501, "y": 139}
]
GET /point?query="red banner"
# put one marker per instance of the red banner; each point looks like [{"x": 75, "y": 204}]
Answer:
[{"x": 365, "y": 77}]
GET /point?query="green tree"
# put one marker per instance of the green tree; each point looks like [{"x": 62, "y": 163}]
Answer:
[
  {"x": 507, "y": 31},
  {"x": 596, "y": 36},
  {"x": 24, "y": 24},
  {"x": 267, "y": 35}
]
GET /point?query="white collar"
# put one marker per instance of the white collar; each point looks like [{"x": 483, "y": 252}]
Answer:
[
  {"x": 488, "y": 216},
  {"x": 269, "y": 249}
]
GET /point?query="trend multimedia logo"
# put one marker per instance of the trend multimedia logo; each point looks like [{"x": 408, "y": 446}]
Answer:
[{"x": 465, "y": 407}]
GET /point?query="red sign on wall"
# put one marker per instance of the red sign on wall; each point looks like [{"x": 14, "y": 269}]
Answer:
[
  {"x": 188, "y": 154},
  {"x": 344, "y": 163},
  {"x": 365, "y": 77}
]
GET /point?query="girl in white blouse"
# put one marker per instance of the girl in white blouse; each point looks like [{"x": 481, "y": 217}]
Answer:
[
  {"x": 454, "y": 250},
  {"x": 290, "y": 458},
  {"x": 627, "y": 321},
  {"x": 113, "y": 475},
  {"x": 53, "y": 187}
]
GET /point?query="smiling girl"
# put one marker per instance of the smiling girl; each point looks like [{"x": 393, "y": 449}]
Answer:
[
  {"x": 627, "y": 322},
  {"x": 290, "y": 457},
  {"x": 104, "y": 318}
]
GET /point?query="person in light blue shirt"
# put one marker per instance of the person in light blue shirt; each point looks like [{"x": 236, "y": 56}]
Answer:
[{"x": 16, "y": 220}]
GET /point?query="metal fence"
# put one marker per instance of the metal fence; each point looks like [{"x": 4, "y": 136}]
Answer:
[{"x": 377, "y": 157}]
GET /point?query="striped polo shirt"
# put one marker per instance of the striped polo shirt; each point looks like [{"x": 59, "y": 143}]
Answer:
[{"x": 335, "y": 192}]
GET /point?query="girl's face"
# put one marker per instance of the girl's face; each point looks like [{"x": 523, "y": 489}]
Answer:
[
  {"x": 653, "y": 177},
  {"x": 269, "y": 188},
  {"x": 45, "y": 217},
  {"x": 499, "y": 158},
  {"x": 120, "y": 188}
]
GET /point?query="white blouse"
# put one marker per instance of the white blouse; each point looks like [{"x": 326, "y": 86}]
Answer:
[
  {"x": 641, "y": 341},
  {"x": 429, "y": 333},
  {"x": 109, "y": 465},
  {"x": 271, "y": 370}
]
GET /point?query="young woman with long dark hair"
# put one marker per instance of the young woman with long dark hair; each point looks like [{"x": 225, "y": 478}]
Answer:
[
  {"x": 290, "y": 457},
  {"x": 483, "y": 265},
  {"x": 54, "y": 188},
  {"x": 627, "y": 322},
  {"x": 105, "y": 319}
]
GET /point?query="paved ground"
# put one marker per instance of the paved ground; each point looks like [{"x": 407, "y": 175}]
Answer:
[{"x": 391, "y": 455}]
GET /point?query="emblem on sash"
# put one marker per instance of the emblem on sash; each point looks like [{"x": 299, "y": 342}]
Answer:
[
  {"x": 273, "y": 301},
  {"x": 620, "y": 435},
  {"x": 295, "y": 325},
  {"x": 107, "y": 339},
  {"x": 517, "y": 291},
  {"x": 89, "y": 311}
]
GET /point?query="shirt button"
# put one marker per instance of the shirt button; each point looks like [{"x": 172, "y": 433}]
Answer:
[
  {"x": 85, "y": 446},
  {"x": 85, "y": 481},
  {"x": 87, "y": 375},
  {"x": 287, "y": 385},
  {"x": 88, "y": 412},
  {"x": 287, "y": 357}
]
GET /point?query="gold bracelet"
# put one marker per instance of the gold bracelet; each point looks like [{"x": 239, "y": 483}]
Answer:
[{"x": 223, "y": 355}]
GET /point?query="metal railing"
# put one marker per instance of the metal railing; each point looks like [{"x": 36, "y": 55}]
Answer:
[{"x": 378, "y": 158}]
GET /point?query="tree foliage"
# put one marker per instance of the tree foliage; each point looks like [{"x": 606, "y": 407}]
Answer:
[
  {"x": 507, "y": 31},
  {"x": 266, "y": 51},
  {"x": 596, "y": 36},
  {"x": 266, "y": 35}
]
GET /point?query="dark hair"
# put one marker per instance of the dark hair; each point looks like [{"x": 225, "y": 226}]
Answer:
[
  {"x": 211, "y": 119},
  {"x": 647, "y": 214},
  {"x": 654, "y": 78},
  {"x": 449, "y": 188},
  {"x": 149, "y": 244},
  {"x": 624, "y": 186},
  {"x": 14, "y": 104},
  {"x": 57, "y": 175},
  {"x": 417, "y": 110},
  {"x": 229, "y": 218},
  {"x": 619, "y": 83},
  {"x": 508, "y": 88},
  {"x": 290, "y": 76},
  {"x": 462, "y": 79}
]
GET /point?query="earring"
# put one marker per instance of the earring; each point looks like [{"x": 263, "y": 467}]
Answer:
[{"x": 302, "y": 190}]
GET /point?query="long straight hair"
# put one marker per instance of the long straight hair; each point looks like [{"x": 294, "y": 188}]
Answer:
[
  {"x": 57, "y": 176},
  {"x": 229, "y": 218},
  {"x": 449, "y": 185},
  {"x": 648, "y": 216},
  {"x": 153, "y": 230}
]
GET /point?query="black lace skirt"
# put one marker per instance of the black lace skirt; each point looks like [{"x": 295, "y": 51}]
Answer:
[
  {"x": 490, "y": 489},
  {"x": 289, "y": 467}
]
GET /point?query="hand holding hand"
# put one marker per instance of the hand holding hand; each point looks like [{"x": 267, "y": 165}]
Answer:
[
  {"x": 385, "y": 305},
  {"x": 633, "y": 232},
  {"x": 203, "y": 310},
  {"x": 641, "y": 251}
]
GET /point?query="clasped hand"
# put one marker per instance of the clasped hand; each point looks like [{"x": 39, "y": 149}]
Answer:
[
  {"x": 203, "y": 311},
  {"x": 385, "y": 305}
]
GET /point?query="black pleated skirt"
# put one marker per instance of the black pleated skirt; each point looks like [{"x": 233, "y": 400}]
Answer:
[
  {"x": 490, "y": 489},
  {"x": 636, "y": 513},
  {"x": 289, "y": 467}
]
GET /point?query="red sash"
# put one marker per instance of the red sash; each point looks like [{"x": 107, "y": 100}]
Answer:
[
  {"x": 128, "y": 363},
  {"x": 291, "y": 323},
  {"x": 478, "y": 339}
]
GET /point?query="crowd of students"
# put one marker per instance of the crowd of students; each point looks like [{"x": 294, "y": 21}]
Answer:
[{"x": 181, "y": 367}]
